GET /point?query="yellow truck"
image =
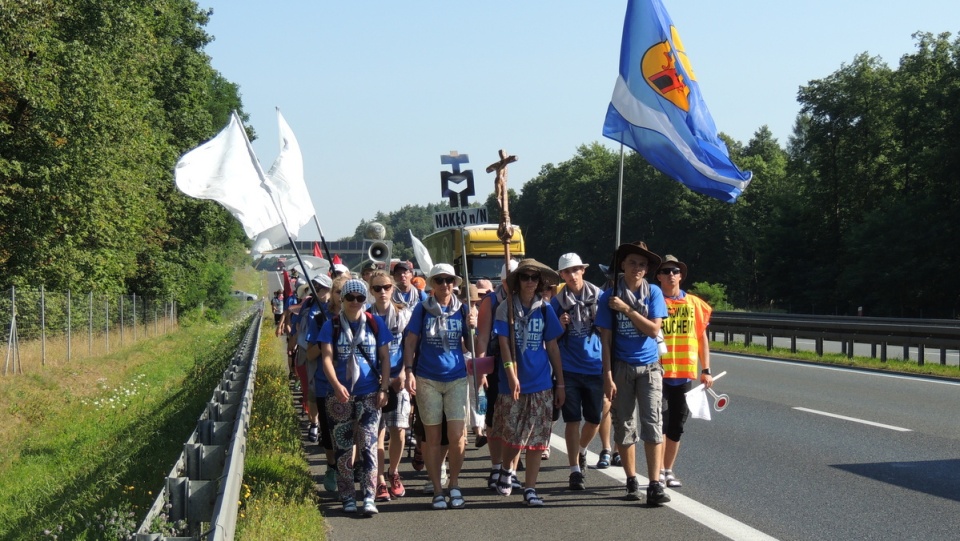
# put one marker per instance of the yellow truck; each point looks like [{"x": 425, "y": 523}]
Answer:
[{"x": 484, "y": 250}]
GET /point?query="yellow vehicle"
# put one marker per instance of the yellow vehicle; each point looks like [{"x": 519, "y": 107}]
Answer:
[{"x": 483, "y": 249}]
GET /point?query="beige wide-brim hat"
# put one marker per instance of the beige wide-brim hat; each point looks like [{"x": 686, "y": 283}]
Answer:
[{"x": 548, "y": 276}]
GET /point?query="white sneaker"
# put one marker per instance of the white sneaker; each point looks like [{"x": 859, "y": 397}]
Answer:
[{"x": 428, "y": 486}]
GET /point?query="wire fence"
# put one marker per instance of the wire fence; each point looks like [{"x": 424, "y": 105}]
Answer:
[{"x": 47, "y": 327}]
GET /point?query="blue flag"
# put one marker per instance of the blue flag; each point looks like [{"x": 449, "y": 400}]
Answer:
[{"x": 657, "y": 108}]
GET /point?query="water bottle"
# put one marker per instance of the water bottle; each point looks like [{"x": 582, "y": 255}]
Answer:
[{"x": 481, "y": 402}]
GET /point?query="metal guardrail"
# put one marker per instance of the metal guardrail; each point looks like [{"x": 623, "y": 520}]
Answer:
[
  {"x": 879, "y": 333},
  {"x": 203, "y": 487}
]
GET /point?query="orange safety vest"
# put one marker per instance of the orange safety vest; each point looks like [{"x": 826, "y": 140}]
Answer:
[{"x": 682, "y": 330}]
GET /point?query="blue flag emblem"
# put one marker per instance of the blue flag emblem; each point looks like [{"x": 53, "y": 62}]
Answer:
[{"x": 657, "y": 108}]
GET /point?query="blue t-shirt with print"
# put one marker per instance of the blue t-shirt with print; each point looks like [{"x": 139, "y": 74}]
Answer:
[
  {"x": 312, "y": 336},
  {"x": 579, "y": 349},
  {"x": 369, "y": 379},
  {"x": 533, "y": 367},
  {"x": 629, "y": 344},
  {"x": 435, "y": 363}
]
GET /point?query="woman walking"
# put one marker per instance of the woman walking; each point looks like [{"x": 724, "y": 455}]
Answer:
[
  {"x": 531, "y": 383},
  {"x": 355, "y": 348}
]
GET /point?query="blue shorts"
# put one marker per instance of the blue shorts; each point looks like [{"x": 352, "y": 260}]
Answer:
[{"x": 584, "y": 394}]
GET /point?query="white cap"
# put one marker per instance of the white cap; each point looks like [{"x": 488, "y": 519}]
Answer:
[
  {"x": 504, "y": 271},
  {"x": 570, "y": 260},
  {"x": 340, "y": 267}
]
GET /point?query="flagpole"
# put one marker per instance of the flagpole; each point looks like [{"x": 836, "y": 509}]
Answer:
[
  {"x": 619, "y": 198},
  {"x": 323, "y": 241},
  {"x": 266, "y": 187}
]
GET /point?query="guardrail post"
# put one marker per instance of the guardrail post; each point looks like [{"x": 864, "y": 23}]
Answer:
[
  {"x": 726, "y": 338},
  {"x": 819, "y": 347},
  {"x": 769, "y": 342},
  {"x": 943, "y": 356},
  {"x": 747, "y": 338},
  {"x": 850, "y": 350},
  {"x": 883, "y": 352},
  {"x": 873, "y": 351},
  {"x": 793, "y": 344},
  {"x": 906, "y": 352},
  {"x": 920, "y": 354}
]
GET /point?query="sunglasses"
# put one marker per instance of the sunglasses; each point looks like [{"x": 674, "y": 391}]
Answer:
[
  {"x": 529, "y": 277},
  {"x": 350, "y": 297},
  {"x": 444, "y": 280},
  {"x": 384, "y": 287},
  {"x": 672, "y": 270}
]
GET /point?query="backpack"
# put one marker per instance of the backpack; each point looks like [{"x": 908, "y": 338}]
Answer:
[{"x": 375, "y": 328}]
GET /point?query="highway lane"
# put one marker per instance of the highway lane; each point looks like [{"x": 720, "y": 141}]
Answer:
[
  {"x": 794, "y": 474},
  {"x": 930, "y": 355}
]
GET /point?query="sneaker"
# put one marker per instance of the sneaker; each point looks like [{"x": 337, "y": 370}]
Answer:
[
  {"x": 417, "y": 458},
  {"x": 427, "y": 488},
  {"x": 480, "y": 441},
  {"x": 396, "y": 486},
  {"x": 633, "y": 489},
  {"x": 577, "y": 481},
  {"x": 330, "y": 480},
  {"x": 369, "y": 508},
  {"x": 349, "y": 505},
  {"x": 313, "y": 433},
  {"x": 383, "y": 494},
  {"x": 669, "y": 480},
  {"x": 604, "y": 461},
  {"x": 616, "y": 461},
  {"x": 656, "y": 495},
  {"x": 582, "y": 462}
]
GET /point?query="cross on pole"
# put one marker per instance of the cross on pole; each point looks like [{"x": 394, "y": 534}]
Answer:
[{"x": 505, "y": 231}]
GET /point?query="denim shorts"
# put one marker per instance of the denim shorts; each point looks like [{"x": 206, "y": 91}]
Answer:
[{"x": 584, "y": 398}]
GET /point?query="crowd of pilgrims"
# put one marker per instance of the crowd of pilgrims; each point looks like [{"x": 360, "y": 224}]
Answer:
[{"x": 389, "y": 357}]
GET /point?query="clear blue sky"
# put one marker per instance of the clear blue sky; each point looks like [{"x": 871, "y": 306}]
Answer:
[{"x": 376, "y": 91}]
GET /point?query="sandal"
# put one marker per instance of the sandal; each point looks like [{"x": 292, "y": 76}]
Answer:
[
  {"x": 616, "y": 461},
  {"x": 670, "y": 479},
  {"x": 504, "y": 486},
  {"x": 604, "y": 461},
  {"x": 546, "y": 454},
  {"x": 530, "y": 496},
  {"x": 456, "y": 498},
  {"x": 439, "y": 502}
]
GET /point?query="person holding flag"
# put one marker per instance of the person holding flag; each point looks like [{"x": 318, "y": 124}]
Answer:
[
  {"x": 629, "y": 316},
  {"x": 685, "y": 334}
]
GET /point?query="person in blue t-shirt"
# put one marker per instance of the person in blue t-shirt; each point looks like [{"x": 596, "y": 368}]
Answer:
[
  {"x": 524, "y": 412},
  {"x": 576, "y": 305},
  {"x": 629, "y": 318},
  {"x": 356, "y": 360},
  {"x": 436, "y": 331}
]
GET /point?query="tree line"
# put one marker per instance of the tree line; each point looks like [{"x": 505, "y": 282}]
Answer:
[
  {"x": 858, "y": 210},
  {"x": 98, "y": 100}
]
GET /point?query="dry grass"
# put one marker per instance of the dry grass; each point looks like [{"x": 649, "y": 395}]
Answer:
[{"x": 57, "y": 351}]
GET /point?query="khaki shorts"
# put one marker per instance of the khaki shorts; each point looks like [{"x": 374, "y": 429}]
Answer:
[
  {"x": 436, "y": 398},
  {"x": 637, "y": 386}
]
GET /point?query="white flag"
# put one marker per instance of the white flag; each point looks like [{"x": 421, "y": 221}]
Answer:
[
  {"x": 225, "y": 170},
  {"x": 285, "y": 181},
  {"x": 424, "y": 261},
  {"x": 698, "y": 403}
]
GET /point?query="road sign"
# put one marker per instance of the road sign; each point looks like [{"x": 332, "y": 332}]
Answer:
[{"x": 459, "y": 218}]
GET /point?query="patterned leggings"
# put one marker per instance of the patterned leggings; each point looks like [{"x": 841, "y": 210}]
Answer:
[{"x": 357, "y": 421}]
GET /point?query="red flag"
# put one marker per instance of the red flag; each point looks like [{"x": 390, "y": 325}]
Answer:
[
  {"x": 336, "y": 259},
  {"x": 316, "y": 250},
  {"x": 287, "y": 290}
]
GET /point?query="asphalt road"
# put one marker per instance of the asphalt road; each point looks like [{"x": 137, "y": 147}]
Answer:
[{"x": 760, "y": 469}]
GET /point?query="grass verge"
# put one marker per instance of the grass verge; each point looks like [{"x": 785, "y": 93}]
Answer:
[
  {"x": 837, "y": 359},
  {"x": 278, "y": 499},
  {"x": 88, "y": 444}
]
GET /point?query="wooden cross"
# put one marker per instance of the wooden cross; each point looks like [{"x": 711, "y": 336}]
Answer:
[{"x": 505, "y": 231}]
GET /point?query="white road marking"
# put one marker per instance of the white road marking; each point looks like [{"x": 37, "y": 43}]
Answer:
[
  {"x": 715, "y": 520},
  {"x": 854, "y": 419}
]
